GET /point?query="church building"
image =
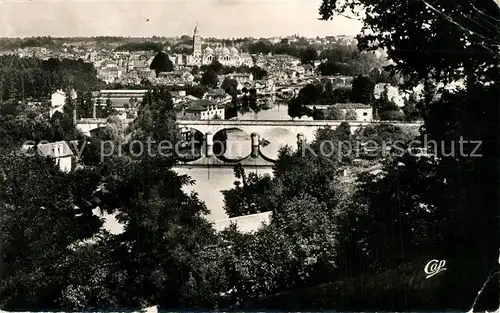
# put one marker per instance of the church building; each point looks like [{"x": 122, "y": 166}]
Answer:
[{"x": 226, "y": 56}]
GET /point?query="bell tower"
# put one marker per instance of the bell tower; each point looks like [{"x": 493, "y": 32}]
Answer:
[{"x": 196, "y": 42}]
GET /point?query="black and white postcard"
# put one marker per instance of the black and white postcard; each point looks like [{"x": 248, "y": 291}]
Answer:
[{"x": 249, "y": 155}]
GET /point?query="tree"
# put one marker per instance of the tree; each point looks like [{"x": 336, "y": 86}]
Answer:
[
  {"x": 433, "y": 42},
  {"x": 260, "y": 47},
  {"x": 258, "y": 73},
  {"x": 334, "y": 113},
  {"x": 197, "y": 91},
  {"x": 147, "y": 197},
  {"x": 385, "y": 132},
  {"x": 318, "y": 114},
  {"x": 341, "y": 95},
  {"x": 215, "y": 66},
  {"x": 94, "y": 279},
  {"x": 328, "y": 90},
  {"x": 248, "y": 196},
  {"x": 343, "y": 132},
  {"x": 303, "y": 198},
  {"x": 253, "y": 102},
  {"x": 165, "y": 228},
  {"x": 86, "y": 107},
  {"x": 161, "y": 63},
  {"x": 392, "y": 115},
  {"x": 108, "y": 109},
  {"x": 410, "y": 109},
  {"x": 301, "y": 236},
  {"x": 63, "y": 128},
  {"x": 379, "y": 76},
  {"x": 308, "y": 56},
  {"x": 362, "y": 90},
  {"x": 156, "y": 122},
  {"x": 311, "y": 93},
  {"x": 69, "y": 104},
  {"x": 453, "y": 24},
  {"x": 195, "y": 70},
  {"x": 210, "y": 79},
  {"x": 295, "y": 107},
  {"x": 141, "y": 46},
  {"x": 230, "y": 86},
  {"x": 351, "y": 115},
  {"x": 384, "y": 104},
  {"x": 33, "y": 260}
]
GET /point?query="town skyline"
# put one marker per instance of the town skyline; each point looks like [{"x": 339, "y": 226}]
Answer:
[{"x": 161, "y": 18}]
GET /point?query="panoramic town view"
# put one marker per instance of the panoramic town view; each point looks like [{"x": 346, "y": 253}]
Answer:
[{"x": 241, "y": 156}]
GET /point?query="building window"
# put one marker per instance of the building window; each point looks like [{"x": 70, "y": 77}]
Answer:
[{"x": 365, "y": 113}]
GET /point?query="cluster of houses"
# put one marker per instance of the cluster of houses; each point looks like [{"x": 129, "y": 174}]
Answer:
[{"x": 126, "y": 103}]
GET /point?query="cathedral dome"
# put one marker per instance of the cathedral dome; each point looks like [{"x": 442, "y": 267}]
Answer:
[
  {"x": 218, "y": 49},
  {"x": 234, "y": 51},
  {"x": 209, "y": 50},
  {"x": 225, "y": 51}
]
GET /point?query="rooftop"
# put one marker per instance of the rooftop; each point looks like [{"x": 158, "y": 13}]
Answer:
[
  {"x": 352, "y": 106},
  {"x": 199, "y": 105},
  {"x": 57, "y": 149}
]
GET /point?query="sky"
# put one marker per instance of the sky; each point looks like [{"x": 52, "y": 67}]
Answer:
[{"x": 215, "y": 18}]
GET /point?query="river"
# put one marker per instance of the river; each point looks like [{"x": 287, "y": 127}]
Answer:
[{"x": 210, "y": 181}]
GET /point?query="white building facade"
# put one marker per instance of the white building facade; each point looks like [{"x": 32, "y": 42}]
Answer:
[{"x": 57, "y": 101}]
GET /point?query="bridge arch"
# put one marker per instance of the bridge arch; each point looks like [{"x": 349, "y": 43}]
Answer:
[
  {"x": 191, "y": 146},
  {"x": 232, "y": 144},
  {"x": 273, "y": 139}
]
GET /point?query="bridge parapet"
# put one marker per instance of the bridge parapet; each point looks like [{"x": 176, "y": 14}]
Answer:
[
  {"x": 290, "y": 122},
  {"x": 100, "y": 121},
  {"x": 307, "y": 128}
]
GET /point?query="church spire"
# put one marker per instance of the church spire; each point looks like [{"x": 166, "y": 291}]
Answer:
[{"x": 196, "y": 31}]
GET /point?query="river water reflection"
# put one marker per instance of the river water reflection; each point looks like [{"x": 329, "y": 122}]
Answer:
[{"x": 210, "y": 181}]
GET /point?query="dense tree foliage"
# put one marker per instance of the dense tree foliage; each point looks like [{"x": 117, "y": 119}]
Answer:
[
  {"x": 20, "y": 124},
  {"x": 248, "y": 196},
  {"x": 412, "y": 107},
  {"x": 434, "y": 42},
  {"x": 346, "y": 61},
  {"x": 161, "y": 63},
  {"x": 386, "y": 109},
  {"x": 257, "y": 72},
  {"x": 210, "y": 79},
  {"x": 22, "y": 78},
  {"x": 362, "y": 90},
  {"x": 308, "y": 56},
  {"x": 141, "y": 46},
  {"x": 334, "y": 113},
  {"x": 44, "y": 211},
  {"x": 318, "y": 94},
  {"x": 139, "y": 265}
]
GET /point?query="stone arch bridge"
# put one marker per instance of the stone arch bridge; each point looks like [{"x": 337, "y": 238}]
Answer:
[
  {"x": 261, "y": 127},
  {"x": 279, "y": 132},
  {"x": 307, "y": 128}
]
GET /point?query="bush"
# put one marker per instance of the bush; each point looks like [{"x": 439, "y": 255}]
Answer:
[
  {"x": 392, "y": 116},
  {"x": 350, "y": 115},
  {"x": 385, "y": 291}
]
